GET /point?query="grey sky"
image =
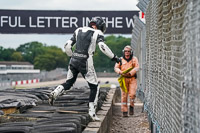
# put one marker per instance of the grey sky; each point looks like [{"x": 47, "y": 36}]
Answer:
[{"x": 14, "y": 40}]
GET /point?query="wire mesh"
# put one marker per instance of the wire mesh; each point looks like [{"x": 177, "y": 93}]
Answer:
[
  {"x": 172, "y": 82},
  {"x": 191, "y": 89},
  {"x": 138, "y": 37}
]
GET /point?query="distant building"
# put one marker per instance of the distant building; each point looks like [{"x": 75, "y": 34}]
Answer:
[
  {"x": 16, "y": 73},
  {"x": 10, "y": 67}
]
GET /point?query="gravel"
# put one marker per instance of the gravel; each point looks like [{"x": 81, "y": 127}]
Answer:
[{"x": 138, "y": 123}]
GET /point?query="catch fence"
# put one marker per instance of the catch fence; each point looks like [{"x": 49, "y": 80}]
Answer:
[{"x": 170, "y": 71}]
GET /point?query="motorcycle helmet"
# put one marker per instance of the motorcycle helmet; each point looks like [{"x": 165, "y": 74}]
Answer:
[{"x": 99, "y": 22}]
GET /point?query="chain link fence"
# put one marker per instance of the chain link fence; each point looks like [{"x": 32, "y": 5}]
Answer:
[
  {"x": 191, "y": 88},
  {"x": 172, "y": 64},
  {"x": 139, "y": 46}
]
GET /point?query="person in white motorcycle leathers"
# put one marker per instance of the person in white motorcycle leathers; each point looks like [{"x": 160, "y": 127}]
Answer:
[{"x": 81, "y": 60}]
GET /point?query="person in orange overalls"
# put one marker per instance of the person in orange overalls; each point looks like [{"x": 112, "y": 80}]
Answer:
[{"x": 127, "y": 61}]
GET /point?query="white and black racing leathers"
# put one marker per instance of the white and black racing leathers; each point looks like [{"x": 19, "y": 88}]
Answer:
[{"x": 85, "y": 40}]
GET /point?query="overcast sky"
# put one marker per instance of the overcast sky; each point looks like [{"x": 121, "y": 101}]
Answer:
[{"x": 14, "y": 40}]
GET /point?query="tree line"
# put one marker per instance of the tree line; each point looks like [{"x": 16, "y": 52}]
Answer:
[{"x": 48, "y": 58}]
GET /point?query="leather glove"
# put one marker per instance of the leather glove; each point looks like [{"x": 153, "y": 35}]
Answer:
[{"x": 116, "y": 59}]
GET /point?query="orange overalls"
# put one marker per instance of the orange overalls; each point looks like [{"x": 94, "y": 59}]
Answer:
[{"x": 131, "y": 83}]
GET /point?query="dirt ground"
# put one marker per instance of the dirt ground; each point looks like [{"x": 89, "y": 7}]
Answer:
[{"x": 137, "y": 123}]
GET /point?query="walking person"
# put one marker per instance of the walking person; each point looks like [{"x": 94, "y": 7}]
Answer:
[
  {"x": 81, "y": 60},
  {"x": 127, "y": 69}
]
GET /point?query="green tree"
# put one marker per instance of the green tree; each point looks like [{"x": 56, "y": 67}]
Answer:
[
  {"x": 59, "y": 56},
  {"x": 52, "y": 58},
  {"x": 5, "y": 54},
  {"x": 116, "y": 44},
  {"x": 31, "y": 50},
  {"x": 17, "y": 56},
  {"x": 1, "y": 53},
  {"x": 45, "y": 62}
]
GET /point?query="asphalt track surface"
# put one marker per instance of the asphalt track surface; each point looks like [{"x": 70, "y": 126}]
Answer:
[{"x": 79, "y": 83}]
